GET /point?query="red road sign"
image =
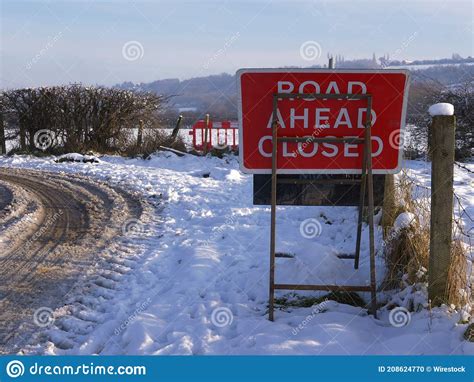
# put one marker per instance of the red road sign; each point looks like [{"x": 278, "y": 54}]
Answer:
[{"x": 321, "y": 118}]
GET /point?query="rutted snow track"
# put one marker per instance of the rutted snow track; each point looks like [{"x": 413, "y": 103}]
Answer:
[{"x": 55, "y": 232}]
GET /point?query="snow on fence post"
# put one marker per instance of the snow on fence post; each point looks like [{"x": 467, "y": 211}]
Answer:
[{"x": 442, "y": 172}]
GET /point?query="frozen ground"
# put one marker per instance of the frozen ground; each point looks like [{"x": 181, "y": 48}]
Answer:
[{"x": 199, "y": 281}]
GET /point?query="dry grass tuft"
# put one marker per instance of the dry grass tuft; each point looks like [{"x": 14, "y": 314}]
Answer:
[
  {"x": 407, "y": 251},
  {"x": 457, "y": 292},
  {"x": 407, "y": 254}
]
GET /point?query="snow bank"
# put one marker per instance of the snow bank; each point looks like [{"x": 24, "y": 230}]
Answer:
[
  {"x": 441, "y": 109},
  {"x": 75, "y": 157}
]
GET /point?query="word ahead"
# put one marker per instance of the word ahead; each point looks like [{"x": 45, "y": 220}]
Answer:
[{"x": 321, "y": 118}]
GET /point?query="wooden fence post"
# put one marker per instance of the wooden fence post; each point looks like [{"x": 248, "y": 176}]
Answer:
[
  {"x": 389, "y": 207},
  {"x": 175, "y": 132},
  {"x": 442, "y": 171},
  {"x": 3, "y": 148}
]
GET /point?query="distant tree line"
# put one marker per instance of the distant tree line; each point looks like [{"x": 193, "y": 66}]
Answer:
[
  {"x": 78, "y": 118},
  {"x": 424, "y": 94},
  {"x": 214, "y": 94},
  {"x": 452, "y": 75},
  {"x": 455, "y": 59}
]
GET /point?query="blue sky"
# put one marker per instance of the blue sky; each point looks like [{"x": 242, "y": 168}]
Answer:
[{"x": 108, "y": 42}]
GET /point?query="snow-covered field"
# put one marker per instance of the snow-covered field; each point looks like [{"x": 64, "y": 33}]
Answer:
[
  {"x": 425, "y": 66},
  {"x": 199, "y": 282}
]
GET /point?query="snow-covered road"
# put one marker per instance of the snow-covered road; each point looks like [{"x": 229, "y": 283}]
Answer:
[
  {"x": 198, "y": 280},
  {"x": 53, "y": 230}
]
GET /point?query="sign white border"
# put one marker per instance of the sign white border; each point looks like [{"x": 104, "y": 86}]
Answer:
[{"x": 301, "y": 70}]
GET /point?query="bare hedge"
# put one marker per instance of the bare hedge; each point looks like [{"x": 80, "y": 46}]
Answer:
[
  {"x": 79, "y": 118},
  {"x": 422, "y": 96}
]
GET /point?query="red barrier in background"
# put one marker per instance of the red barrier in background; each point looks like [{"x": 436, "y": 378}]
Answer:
[{"x": 219, "y": 135}]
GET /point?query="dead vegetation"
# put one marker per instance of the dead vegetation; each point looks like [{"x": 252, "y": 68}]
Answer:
[
  {"x": 469, "y": 333},
  {"x": 342, "y": 297},
  {"x": 77, "y": 118},
  {"x": 457, "y": 293},
  {"x": 407, "y": 249}
]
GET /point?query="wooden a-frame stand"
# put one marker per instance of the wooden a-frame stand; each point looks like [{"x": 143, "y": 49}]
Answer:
[{"x": 366, "y": 185}]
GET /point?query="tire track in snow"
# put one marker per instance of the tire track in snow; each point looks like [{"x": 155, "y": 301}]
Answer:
[{"x": 43, "y": 258}]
